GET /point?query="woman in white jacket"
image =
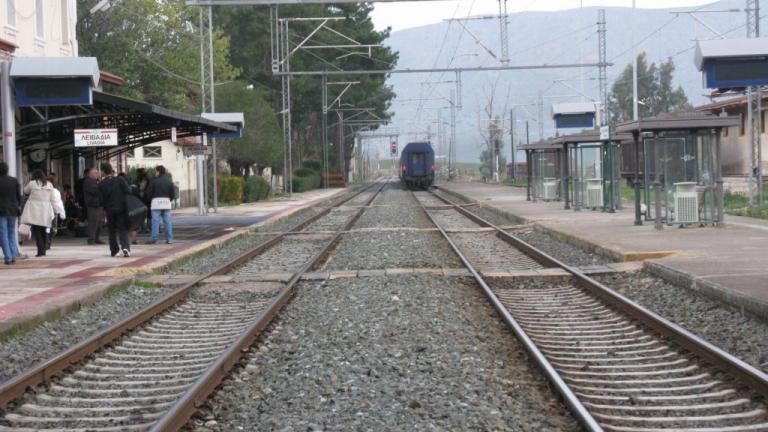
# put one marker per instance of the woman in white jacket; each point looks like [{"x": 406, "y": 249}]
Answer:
[{"x": 39, "y": 209}]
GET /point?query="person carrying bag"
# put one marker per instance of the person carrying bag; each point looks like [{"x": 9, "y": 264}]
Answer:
[{"x": 39, "y": 210}]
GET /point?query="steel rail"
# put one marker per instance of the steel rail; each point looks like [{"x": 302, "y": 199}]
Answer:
[
  {"x": 181, "y": 411},
  {"x": 43, "y": 371},
  {"x": 755, "y": 378},
  {"x": 573, "y": 402}
]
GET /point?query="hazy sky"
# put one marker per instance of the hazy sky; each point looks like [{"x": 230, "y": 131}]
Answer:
[{"x": 403, "y": 15}]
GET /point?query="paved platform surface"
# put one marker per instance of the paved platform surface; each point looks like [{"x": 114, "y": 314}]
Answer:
[
  {"x": 729, "y": 263},
  {"x": 73, "y": 272}
]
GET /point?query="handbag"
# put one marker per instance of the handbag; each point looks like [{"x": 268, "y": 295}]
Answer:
[
  {"x": 25, "y": 231},
  {"x": 135, "y": 210}
]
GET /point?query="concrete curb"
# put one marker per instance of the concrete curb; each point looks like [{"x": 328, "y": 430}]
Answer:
[
  {"x": 712, "y": 290},
  {"x": 707, "y": 288},
  {"x": 122, "y": 277}
]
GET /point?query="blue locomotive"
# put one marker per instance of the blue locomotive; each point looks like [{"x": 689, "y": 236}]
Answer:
[{"x": 417, "y": 165}]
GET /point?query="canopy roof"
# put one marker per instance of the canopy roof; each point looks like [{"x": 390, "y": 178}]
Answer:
[
  {"x": 729, "y": 48},
  {"x": 56, "y": 67},
  {"x": 677, "y": 121},
  {"x": 138, "y": 124}
]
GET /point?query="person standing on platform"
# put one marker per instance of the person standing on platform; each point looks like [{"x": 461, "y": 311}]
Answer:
[
  {"x": 161, "y": 193},
  {"x": 113, "y": 190},
  {"x": 58, "y": 210},
  {"x": 92, "y": 200},
  {"x": 10, "y": 198},
  {"x": 39, "y": 209}
]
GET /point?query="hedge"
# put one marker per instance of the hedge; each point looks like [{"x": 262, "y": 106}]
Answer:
[
  {"x": 314, "y": 165},
  {"x": 256, "y": 188},
  {"x": 231, "y": 189},
  {"x": 304, "y": 172},
  {"x": 305, "y": 183}
]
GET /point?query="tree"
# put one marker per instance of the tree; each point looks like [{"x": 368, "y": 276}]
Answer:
[
  {"x": 486, "y": 163},
  {"x": 155, "y": 47},
  {"x": 261, "y": 144},
  {"x": 654, "y": 91}
]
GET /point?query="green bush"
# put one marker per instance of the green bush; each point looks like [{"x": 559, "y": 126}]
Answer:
[
  {"x": 305, "y": 183},
  {"x": 256, "y": 188},
  {"x": 304, "y": 172},
  {"x": 231, "y": 189},
  {"x": 314, "y": 165}
]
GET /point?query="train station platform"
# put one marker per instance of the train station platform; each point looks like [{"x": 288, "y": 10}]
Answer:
[
  {"x": 74, "y": 273},
  {"x": 727, "y": 263}
]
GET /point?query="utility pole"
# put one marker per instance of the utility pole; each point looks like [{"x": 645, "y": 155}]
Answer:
[
  {"x": 540, "y": 106},
  {"x": 512, "y": 172},
  {"x": 199, "y": 157},
  {"x": 635, "y": 114},
  {"x": 754, "y": 114},
  {"x": 452, "y": 144},
  {"x": 9, "y": 120},
  {"x": 504, "y": 31},
  {"x": 214, "y": 167}
]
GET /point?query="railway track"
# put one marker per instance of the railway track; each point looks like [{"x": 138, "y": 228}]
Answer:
[
  {"x": 617, "y": 365},
  {"x": 151, "y": 371}
]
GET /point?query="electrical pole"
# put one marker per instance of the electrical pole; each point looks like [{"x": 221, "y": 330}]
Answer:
[
  {"x": 199, "y": 157},
  {"x": 452, "y": 144},
  {"x": 754, "y": 114},
  {"x": 512, "y": 172},
  {"x": 540, "y": 106},
  {"x": 635, "y": 114},
  {"x": 214, "y": 167},
  {"x": 504, "y": 31}
]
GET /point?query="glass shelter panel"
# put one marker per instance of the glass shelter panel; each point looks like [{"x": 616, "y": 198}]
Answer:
[
  {"x": 587, "y": 172},
  {"x": 681, "y": 178},
  {"x": 546, "y": 175}
]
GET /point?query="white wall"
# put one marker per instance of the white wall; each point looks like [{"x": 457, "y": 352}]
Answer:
[
  {"x": 55, "y": 37},
  {"x": 182, "y": 169}
]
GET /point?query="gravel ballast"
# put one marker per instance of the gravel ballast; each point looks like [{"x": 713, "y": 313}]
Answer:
[
  {"x": 407, "y": 352},
  {"x": 392, "y": 249},
  {"x": 52, "y": 337},
  {"x": 741, "y": 334},
  {"x": 565, "y": 252}
]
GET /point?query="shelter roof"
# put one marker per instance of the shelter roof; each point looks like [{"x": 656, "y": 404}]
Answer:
[
  {"x": 677, "y": 121},
  {"x": 56, "y": 67},
  {"x": 138, "y": 123},
  {"x": 588, "y": 136},
  {"x": 729, "y": 48}
]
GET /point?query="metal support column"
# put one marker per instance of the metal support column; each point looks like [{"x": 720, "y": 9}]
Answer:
[
  {"x": 754, "y": 114},
  {"x": 214, "y": 160},
  {"x": 8, "y": 108},
  {"x": 324, "y": 91},
  {"x": 636, "y": 139},
  {"x": 452, "y": 145},
  {"x": 513, "y": 168},
  {"x": 566, "y": 178}
]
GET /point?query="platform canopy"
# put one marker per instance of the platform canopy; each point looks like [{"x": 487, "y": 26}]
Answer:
[
  {"x": 690, "y": 120},
  {"x": 588, "y": 136},
  {"x": 138, "y": 123}
]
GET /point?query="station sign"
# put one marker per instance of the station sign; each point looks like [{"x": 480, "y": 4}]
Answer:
[
  {"x": 95, "y": 137},
  {"x": 605, "y": 133}
]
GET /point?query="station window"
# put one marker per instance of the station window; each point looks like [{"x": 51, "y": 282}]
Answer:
[
  {"x": 39, "y": 21},
  {"x": 153, "y": 152},
  {"x": 131, "y": 153},
  {"x": 10, "y": 12}
]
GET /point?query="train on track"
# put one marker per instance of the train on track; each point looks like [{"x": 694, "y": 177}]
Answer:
[{"x": 417, "y": 165}]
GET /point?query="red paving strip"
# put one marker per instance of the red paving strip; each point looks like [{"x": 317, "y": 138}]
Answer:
[
  {"x": 86, "y": 273},
  {"x": 34, "y": 301}
]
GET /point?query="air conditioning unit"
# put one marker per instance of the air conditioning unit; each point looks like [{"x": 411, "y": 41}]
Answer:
[
  {"x": 686, "y": 203},
  {"x": 594, "y": 193},
  {"x": 550, "y": 189}
]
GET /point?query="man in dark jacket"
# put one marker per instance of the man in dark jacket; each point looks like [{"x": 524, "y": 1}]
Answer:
[
  {"x": 161, "y": 193},
  {"x": 92, "y": 201},
  {"x": 10, "y": 197},
  {"x": 113, "y": 191}
]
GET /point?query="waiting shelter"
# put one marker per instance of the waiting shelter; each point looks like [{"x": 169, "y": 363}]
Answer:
[
  {"x": 545, "y": 161},
  {"x": 57, "y": 100},
  {"x": 591, "y": 175},
  {"x": 681, "y": 178}
]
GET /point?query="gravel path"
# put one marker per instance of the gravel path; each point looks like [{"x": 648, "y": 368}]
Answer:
[
  {"x": 411, "y": 352},
  {"x": 392, "y": 217},
  {"x": 392, "y": 249},
  {"x": 52, "y": 337},
  {"x": 724, "y": 326},
  {"x": 287, "y": 256}
]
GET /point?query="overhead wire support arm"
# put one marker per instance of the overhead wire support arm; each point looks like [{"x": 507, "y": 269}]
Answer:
[{"x": 436, "y": 70}]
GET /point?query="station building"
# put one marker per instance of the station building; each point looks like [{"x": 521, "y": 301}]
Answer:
[{"x": 38, "y": 38}]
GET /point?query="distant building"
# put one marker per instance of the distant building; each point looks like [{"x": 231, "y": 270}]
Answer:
[
  {"x": 40, "y": 28},
  {"x": 736, "y": 150}
]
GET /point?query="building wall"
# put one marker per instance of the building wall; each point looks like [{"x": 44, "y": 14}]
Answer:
[
  {"x": 182, "y": 169},
  {"x": 40, "y": 27},
  {"x": 736, "y": 150}
]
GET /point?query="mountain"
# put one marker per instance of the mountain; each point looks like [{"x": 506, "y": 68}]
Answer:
[{"x": 568, "y": 36}]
